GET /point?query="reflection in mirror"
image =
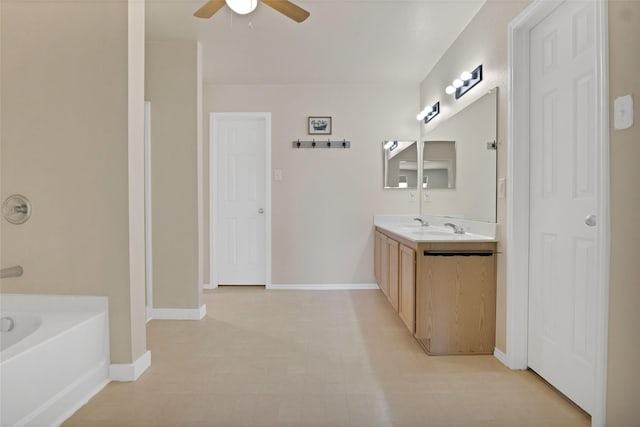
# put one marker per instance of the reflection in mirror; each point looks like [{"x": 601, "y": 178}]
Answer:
[
  {"x": 439, "y": 164},
  {"x": 400, "y": 164},
  {"x": 473, "y": 193}
]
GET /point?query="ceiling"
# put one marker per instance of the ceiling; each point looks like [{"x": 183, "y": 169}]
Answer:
[{"x": 342, "y": 42}]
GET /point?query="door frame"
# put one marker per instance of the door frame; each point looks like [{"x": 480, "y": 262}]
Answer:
[
  {"x": 147, "y": 209},
  {"x": 517, "y": 262},
  {"x": 213, "y": 193}
]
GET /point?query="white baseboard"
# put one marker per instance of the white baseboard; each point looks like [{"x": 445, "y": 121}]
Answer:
[
  {"x": 179, "y": 313},
  {"x": 130, "y": 371},
  {"x": 324, "y": 287},
  {"x": 501, "y": 357},
  {"x": 209, "y": 286}
]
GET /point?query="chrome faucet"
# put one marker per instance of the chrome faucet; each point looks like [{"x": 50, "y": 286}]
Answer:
[
  {"x": 456, "y": 228},
  {"x": 15, "y": 271},
  {"x": 422, "y": 222}
]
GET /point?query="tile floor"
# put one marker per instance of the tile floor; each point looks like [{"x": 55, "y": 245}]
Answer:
[{"x": 315, "y": 358}]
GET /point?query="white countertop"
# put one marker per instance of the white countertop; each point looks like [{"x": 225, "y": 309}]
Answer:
[{"x": 406, "y": 227}]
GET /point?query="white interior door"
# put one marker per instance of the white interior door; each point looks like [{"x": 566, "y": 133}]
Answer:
[
  {"x": 240, "y": 194},
  {"x": 563, "y": 201}
]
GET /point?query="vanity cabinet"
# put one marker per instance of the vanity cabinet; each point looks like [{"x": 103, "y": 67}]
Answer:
[
  {"x": 395, "y": 274},
  {"x": 456, "y": 298},
  {"x": 444, "y": 292}
]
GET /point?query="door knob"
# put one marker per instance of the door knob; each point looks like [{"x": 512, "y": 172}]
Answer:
[
  {"x": 590, "y": 220},
  {"x": 260, "y": 211}
]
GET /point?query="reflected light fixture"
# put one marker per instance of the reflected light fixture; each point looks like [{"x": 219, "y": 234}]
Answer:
[
  {"x": 390, "y": 145},
  {"x": 242, "y": 7},
  {"x": 429, "y": 113},
  {"x": 466, "y": 81}
]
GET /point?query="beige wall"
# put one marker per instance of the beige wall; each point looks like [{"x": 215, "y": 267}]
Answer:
[
  {"x": 323, "y": 208},
  {"x": 624, "y": 292},
  {"x": 64, "y": 141},
  {"x": 172, "y": 87},
  {"x": 483, "y": 41}
]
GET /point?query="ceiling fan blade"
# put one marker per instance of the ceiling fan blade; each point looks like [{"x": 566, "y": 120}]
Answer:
[
  {"x": 209, "y": 8},
  {"x": 289, "y": 9}
]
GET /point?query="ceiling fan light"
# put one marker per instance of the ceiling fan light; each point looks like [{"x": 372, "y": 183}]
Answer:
[{"x": 242, "y": 7}]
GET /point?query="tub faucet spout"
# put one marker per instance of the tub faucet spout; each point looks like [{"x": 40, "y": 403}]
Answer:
[{"x": 15, "y": 271}]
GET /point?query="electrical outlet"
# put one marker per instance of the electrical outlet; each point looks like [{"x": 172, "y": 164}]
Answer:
[
  {"x": 277, "y": 174},
  {"x": 502, "y": 188},
  {"x": 412, "y": 196},
  {"x": 623, "y": 112}
]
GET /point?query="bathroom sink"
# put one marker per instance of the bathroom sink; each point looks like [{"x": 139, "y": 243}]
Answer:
[
  {"x": 411, "y": 227},
  {"x": 433, "y": 232}
]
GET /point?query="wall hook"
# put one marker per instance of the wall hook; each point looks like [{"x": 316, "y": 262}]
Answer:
[{"x": 320, "y": 144}]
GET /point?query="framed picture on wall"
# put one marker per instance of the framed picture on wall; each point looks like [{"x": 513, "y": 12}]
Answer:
[{"x": 319, "y": 125}]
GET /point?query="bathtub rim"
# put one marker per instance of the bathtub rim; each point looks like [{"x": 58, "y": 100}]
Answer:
[{"x": 71, "y": 310}]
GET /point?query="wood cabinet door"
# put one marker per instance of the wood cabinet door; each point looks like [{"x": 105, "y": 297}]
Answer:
[
  {"x": 377, "y": 261},
  {"x": 407, "y": 281},
  {"x": 384, "y": 265},
  {"x": 460, "y": 306},
  {"x": 392, "y": 280}
]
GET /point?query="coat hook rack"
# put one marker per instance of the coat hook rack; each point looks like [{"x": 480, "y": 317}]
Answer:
[{"x": 322, "y": 144}]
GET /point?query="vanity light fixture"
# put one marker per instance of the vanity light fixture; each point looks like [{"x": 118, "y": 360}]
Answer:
[
  {"x": 390, "y": 145},
  {"x": 429, "y": 113},
  {"x": 466, "y": 81}
]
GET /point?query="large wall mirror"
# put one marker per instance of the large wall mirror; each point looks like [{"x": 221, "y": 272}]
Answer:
[
  {"x": 462, "y": 180},
  {"x": 439, "y": 164},
  {"x": 400, "y": 164}
]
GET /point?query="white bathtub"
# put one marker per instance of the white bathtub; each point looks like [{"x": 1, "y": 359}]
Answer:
[{"x": 54, "y": 359}]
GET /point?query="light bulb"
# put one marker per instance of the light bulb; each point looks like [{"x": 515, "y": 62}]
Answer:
[
  {"x": 420, "y": 115},
  {"x": 457, "y": 83},
  {"x": 242, "y": 7},
  {"x": 450, "y": 90},
  {"x": 466, "y": 75}
]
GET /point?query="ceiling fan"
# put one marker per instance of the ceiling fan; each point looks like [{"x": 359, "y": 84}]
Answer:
[{"x": 243, "y": 7}]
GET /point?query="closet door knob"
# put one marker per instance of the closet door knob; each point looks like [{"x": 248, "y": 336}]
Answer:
[{"x": 590, "y": 220}]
